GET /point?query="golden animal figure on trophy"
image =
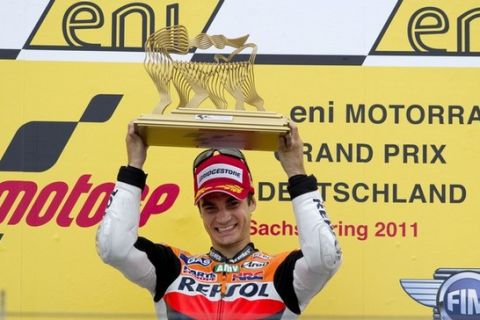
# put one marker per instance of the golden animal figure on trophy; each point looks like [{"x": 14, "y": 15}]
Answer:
[{"x": 197, "y": 81}]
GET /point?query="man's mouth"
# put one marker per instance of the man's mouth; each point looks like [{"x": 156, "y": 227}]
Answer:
[{"x": 225, "y": 229}]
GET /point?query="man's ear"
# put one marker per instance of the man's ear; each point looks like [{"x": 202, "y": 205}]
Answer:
[{"x": 253, "y": 203}]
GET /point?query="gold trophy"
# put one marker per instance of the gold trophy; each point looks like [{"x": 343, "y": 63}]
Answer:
[{"x": 191, "y": 126}]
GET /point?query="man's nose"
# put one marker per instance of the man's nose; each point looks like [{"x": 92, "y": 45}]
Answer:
[{"x": 223, "y": 215}]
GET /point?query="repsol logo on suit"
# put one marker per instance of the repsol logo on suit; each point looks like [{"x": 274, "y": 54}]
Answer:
[{"x": 214, "y": 290}]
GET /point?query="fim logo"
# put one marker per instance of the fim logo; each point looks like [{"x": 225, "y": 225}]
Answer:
[{"x": 453, "y": 293}]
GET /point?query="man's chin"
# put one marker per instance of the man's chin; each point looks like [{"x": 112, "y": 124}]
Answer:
[{"x": 227, "y": 241}]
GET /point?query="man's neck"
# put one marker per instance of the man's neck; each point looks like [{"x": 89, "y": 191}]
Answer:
[{"x": 231, "y": 250}]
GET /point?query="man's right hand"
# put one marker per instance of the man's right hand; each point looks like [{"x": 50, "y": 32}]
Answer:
[
  {"x": 290, "y": 152},
  {"x": 136, "y": 148}
]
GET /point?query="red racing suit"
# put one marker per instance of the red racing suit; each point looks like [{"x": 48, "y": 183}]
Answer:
[{"x": 250, "y": 285}]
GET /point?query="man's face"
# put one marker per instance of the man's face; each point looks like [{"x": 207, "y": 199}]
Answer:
[{"x": 227, "y": 220}]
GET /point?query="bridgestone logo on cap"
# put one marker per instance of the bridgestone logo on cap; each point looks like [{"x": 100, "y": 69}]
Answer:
[{"x": 219, "y": 170}]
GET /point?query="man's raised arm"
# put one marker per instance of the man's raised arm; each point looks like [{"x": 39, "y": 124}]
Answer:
[
  {"x": 118, "y": 231},
  {"x": 321, "y": 253}
]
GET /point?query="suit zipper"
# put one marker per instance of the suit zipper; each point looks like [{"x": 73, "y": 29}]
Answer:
[{"x": 223, "y": 290}]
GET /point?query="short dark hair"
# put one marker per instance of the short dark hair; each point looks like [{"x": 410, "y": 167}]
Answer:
[{"x": 250, "y": 198}]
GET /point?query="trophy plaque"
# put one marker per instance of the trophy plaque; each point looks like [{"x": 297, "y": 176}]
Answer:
[{"x": 191, "y": 126}]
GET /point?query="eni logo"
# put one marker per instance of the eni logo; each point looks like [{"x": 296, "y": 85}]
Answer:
[
  {"x": 445, "y": 28},
  {"x": 453, "y": 293},
  {"x": 118, "y": 26}
]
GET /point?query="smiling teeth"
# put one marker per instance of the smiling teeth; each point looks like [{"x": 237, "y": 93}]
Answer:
[{"x": 226, "y": 228}]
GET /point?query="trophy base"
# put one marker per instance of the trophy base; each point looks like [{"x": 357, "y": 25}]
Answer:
[{"x": 213, "y": 128}]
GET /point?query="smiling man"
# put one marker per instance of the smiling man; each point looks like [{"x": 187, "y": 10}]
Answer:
[{"x": 234, "y": 280}]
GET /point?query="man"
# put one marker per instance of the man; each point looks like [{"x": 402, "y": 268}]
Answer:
[{"x": 234, "y": 280}]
